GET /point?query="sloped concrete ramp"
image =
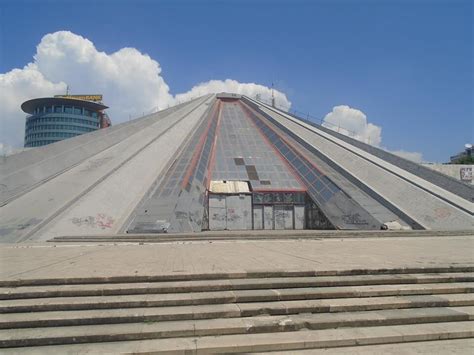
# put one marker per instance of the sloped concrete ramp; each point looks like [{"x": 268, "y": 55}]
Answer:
[
  {"x": 97, "y": 192},
  {"x": 104, "y": 182},
  {"x": 428, "y": 204}
]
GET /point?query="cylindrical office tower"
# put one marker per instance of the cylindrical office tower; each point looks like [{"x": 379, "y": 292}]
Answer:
[{"x": 52, "y": 119}]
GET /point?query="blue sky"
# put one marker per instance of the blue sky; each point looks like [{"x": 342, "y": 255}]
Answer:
[{"x": 408, "y": 65}]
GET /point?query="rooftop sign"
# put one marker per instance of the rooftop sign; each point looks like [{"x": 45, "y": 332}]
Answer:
[{"x": 95, "y": 98}]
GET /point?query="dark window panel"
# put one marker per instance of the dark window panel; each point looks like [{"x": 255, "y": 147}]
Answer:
[
  {"x": 318, "y": 185},
  {"x": 326, "y": 194},
  {"x": 268, "y": 198},
  {"x": 258, "y": 198}
]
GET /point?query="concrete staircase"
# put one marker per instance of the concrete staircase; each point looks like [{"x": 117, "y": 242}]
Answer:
[{"x": 240, "y": 312}]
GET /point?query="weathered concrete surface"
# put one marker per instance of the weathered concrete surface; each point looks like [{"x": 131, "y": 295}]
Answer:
[
  {"x": 92, "y": 184},
  {"x": 20, "y": 172},
  {"x": 88, "y": 196},
  {"x": 146, "y": 313},
  {"x": 453, "y": 347},
  {"x": 428, "y": 204},
  {"x": 306, "y": 339},
  {"x": 208, "y": 327},
  {"x": 148, "y": 294},
  {"x": 215, "y": 296},
  {"x": 255, "y": 235},
  {"x": 451, "y": 170},
  {"x": 49, "y": 260}
]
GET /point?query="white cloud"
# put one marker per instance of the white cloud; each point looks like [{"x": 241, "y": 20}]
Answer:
[
  {"x": 6, "y": 149},
  {"x": 132, "y": 84},
  {"x": 229, "y": 85},
  {"x": 413, "y": 156},
  {"x": 353, "y": 122},
  {"x": 16, "y": 86},
  {"x": 130, "y": 81}
]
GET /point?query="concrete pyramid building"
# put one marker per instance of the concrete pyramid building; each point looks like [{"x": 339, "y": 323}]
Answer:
[{"x": 220, "y": 162}]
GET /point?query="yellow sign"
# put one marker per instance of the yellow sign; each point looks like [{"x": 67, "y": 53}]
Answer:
[{"x": 82, "y": 97}]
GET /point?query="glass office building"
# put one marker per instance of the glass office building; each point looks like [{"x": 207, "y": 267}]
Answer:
[{"x": 53, "y": 119}]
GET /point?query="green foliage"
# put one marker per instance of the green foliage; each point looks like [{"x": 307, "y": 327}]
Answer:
[{"x": 467, "y": 159}]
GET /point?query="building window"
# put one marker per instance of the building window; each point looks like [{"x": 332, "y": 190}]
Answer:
[
  {"x": 258, "y": 198},
  {"x": 267, "y": 198},
  {"x": 49, "y": 109},
  {"x": 58, "y": 109},
  {"x": 67, "y": 109},
  {"x": 77, "y": 111}
]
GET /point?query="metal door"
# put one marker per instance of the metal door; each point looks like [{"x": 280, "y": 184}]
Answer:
[
  {"x": 257, "y": 217},
  {"x": 283, "y": 217},
  {"x": 268, "y": 217},
  {"x": 239, "y": 212},
  {"x": 299, "y": 217},
  {"x": 217, "y": 212}
]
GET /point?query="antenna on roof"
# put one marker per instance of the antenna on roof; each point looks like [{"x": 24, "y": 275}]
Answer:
[{"x": 67, "y": 90}]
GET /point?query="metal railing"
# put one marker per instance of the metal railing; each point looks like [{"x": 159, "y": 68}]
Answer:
[{"x": 316, "y": 120}]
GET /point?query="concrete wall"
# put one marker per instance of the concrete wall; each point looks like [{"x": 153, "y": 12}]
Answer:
[
  {"x": 366, "y": 210},
  {"x": 97, "y": 194},
  {"x": 21, "y": 172},
  {"x": 419, "y": 170},
  {"x": 230, "y": 212},
  {"x": 429, "y": 205},
  {"x": 453, "y": 170}
]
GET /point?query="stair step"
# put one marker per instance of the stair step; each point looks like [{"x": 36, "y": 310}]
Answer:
[
  {"x": 233, "y": 310},
  {"x": 220, "y": 297},
  {"x": 259, "y": 324},
  {"x": 255, "y": 234},
  {"x": 455, "y": 346},
  {"x": 354, "y": 304},
  {"x": 233, "y": 275},
  {"x": 296, "y": 340},
  {"x": 226, "y": 285}
]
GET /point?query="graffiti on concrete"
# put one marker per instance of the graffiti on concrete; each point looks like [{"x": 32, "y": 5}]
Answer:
[
  {"x": 353, "y": 219},
  {"x": 101, "y": 220},
  {"x": 95, "y": 163},
  {"x": 9, "y": 228},
  {"x": 466, "y": 173},
  {"x": 442, "y": 213},
  {"x": 218, "y": 217},
  {"x": 233, "y": 215}
]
